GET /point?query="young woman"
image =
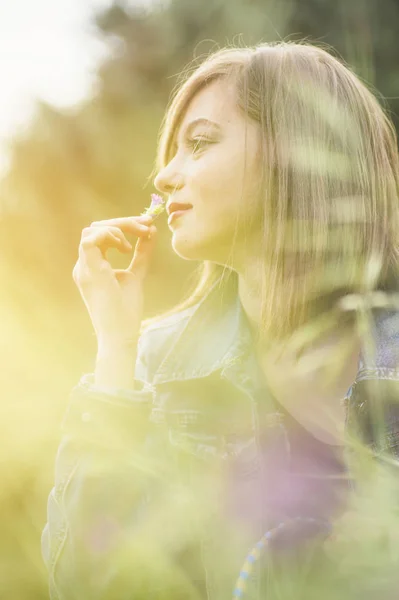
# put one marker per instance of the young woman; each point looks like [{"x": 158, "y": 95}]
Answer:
[{"x": 212, "y": 442}]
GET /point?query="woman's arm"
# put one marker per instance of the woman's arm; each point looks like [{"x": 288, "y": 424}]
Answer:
[{"x": 100, "y": 484}]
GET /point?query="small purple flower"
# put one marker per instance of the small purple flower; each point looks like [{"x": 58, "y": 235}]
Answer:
[
  {"x": 156, "y": 200},
  {"x": 156, "y": 207}
]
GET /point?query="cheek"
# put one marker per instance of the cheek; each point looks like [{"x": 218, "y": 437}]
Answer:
[
  {"x": 219, "y": 192},
  {"x": 220, "y": 167}
]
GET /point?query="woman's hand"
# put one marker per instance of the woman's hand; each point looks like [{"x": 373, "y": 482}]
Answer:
[{"x": 114, "y": 297}]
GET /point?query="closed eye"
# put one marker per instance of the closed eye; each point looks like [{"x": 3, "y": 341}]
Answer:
[{"x": 197, "y": 144}]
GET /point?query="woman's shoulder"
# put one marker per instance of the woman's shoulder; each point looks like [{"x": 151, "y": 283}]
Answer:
[{"x": 380, "y": 347}]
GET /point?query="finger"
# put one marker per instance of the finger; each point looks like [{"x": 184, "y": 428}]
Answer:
[
  {"x": 93, "y": 248},
  {"x": 94, "y": 233},
  {"x": 120, "y": 243},
  {"x": 128, "y": 224},
  {"x": 103, "y": 240},
  {"x": 142, "y": 254}
]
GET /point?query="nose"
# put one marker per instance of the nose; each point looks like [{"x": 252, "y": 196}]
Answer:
[{"x": 169, "y": 179}]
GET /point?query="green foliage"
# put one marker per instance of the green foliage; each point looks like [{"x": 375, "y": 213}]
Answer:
[{"x": 94, "y": 162}]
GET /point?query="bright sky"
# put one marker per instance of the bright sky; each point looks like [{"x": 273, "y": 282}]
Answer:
[{"x": 48, "y": 50}]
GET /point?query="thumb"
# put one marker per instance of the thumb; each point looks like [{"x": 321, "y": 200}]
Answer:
[{"x": 143, "y": 251}]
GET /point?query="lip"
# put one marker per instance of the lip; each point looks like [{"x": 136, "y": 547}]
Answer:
[
  {"x": 176, "y": 214},
  {"x": 174, "y": 206}
]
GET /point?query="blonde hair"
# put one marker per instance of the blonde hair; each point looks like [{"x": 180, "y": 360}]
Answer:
[{"x": 330, "y": 180}]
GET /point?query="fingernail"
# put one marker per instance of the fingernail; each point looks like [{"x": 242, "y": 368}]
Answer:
[{"x": 144, "y": 228}]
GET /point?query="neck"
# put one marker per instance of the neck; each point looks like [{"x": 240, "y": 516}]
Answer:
[
  {"x": 250, "y": 294},
  {"x": 318, "y": 382}
]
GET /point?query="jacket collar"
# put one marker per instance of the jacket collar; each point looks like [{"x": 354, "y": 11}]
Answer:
[
  {"x": 380, "y": 349},
  {"x": 217, "y": 336}
]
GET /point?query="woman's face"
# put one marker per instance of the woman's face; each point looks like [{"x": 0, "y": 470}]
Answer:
[{"x": 215, "y": 169}]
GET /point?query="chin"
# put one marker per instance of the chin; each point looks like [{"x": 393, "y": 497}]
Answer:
[{"x": 188, "y": 248}]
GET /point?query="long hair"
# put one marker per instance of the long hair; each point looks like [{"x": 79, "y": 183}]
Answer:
[{"x": 330, "y": 181}]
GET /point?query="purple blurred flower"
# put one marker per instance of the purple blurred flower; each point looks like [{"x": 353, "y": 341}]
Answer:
[{"x": 156, "y": 207}]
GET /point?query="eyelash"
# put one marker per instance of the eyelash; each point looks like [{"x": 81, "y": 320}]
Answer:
[{"x": 196, "y": 144}]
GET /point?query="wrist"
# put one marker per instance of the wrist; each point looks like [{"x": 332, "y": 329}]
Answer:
[
  {"x": 116, "y": 346},
  {"x": 115, "y": 368}
]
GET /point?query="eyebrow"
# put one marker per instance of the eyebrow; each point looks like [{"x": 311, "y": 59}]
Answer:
[{"x": 200, "y": 121}]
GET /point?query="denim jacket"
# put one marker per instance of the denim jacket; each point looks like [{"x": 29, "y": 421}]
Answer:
[{"x": 122, "y": 521}]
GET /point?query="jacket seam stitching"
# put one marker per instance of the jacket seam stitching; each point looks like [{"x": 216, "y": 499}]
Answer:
[{"x": 61, "y": 544}]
